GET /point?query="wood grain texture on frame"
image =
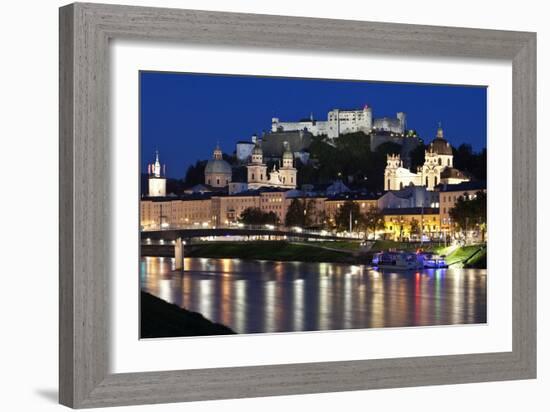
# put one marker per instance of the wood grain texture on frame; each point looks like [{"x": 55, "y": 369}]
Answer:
[{"x": 85, "y": 31}]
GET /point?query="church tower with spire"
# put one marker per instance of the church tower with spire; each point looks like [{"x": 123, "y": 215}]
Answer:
[{"x": 157, "y": 178}]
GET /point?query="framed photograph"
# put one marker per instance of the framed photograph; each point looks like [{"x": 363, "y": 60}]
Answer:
[{"x": 256, "y": 205}]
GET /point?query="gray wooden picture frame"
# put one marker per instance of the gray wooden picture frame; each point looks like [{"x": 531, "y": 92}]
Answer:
[{"x": 85, "y": 31}]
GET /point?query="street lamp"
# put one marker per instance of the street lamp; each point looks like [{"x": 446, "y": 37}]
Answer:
[{"x": 422, "y": 225}]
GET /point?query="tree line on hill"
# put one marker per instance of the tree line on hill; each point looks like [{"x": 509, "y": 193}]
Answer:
[{"x": 348, "y": 158}]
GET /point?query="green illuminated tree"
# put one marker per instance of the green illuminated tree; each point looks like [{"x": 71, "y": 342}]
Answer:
[
  {"x": 373, "y": 220},
  {"x": 415, "y": 227}
]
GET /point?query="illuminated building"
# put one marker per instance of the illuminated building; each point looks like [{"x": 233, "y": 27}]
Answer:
[
  {"x": 217, "y": 172},
  {"x": 333, "y": 203},
  {"x": 209, "y": 210},
  {"x": 450, "y": 193},
  {"x": 156, "y": 178},
  {"x": 403, "y": 224},
  {"x": 437, "y": 168},
  {"x": 156, "y": 213},
  {"x": 283, "y": 177}
]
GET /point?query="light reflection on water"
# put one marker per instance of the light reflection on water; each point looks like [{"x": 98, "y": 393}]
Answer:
[{"x": 262, "y": 296}]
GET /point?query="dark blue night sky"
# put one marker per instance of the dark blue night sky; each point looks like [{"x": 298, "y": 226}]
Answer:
[{"x": 185, "y": 115}]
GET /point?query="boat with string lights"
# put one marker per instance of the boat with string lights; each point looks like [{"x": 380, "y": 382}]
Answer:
[
  {"x": 432, "y": 261},
  {"x": 399, "y": 260}
]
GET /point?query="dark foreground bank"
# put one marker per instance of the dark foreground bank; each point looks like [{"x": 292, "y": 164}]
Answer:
[{"x": 160, "y": 319}]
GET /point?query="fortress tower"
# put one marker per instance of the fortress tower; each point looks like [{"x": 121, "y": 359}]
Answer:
[{"x": 402, "y": 117}]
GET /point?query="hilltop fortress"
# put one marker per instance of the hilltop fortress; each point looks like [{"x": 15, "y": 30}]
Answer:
[
  {"x": 269, "y": 161},
  {"x": 264, "y": 175},
  {"x": 342, "y": 121}
]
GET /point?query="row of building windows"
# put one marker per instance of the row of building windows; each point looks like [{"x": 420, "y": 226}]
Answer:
[
  {"x": 426, "y": 227},
  {"x": 426, "y": 218}
]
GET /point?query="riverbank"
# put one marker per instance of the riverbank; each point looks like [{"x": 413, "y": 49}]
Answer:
[
  {"x": 470, "y": 256},
  {"x": 269, "y": 250},
  {"x": 160, "y": 319},
  {"x": 477, "y": 260}
]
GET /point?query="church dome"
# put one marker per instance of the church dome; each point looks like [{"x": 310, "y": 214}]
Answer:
[
  {"x": 452, "y": 173},
  {"x": 217, "y": 166},
  {"x": 257, "y": 150},
  {"x": 288, "y": 155},
  {"x": 440, "y": 145}
]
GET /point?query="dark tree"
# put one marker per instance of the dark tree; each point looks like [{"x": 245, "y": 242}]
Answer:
[
  {"x": 349, "y": 212},
  {"x": 231, "y": 159},
  {"x": 387, "y": 148},
  {"x": 175, "y": 186},
  {"x": 348, "y": 158},
  {"x": 470, "y": 214},
  {"x": 472, "y": 163},
  {"x": 415, "y": 227},
  {"x": 307, "y": 173},
  {"x": 195, "y": 173},
  {"x": 300, "y": 213},
  {"x": 255, "y": 216},
  {"x": 417, "y": 157},
  {"x": 376, "y": 165},
  {"x": 326, "y": 157}
]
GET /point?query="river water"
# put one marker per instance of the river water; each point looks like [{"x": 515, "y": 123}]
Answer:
[{"x": 265, "y": 296}]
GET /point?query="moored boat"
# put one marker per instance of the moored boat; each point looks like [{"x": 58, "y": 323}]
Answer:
[
  {"x": 397, "y": 260},
  {"x": 432, "y": 261}
]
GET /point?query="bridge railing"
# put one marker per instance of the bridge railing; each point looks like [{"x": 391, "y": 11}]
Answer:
[
  {"x": 245, "y": 230},
  {"x": 278, "y": 228}
]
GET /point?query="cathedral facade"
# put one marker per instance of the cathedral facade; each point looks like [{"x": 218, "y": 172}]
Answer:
[
  {"x": 283, "y": 177},
  {"x": 437, "y": 168}
]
